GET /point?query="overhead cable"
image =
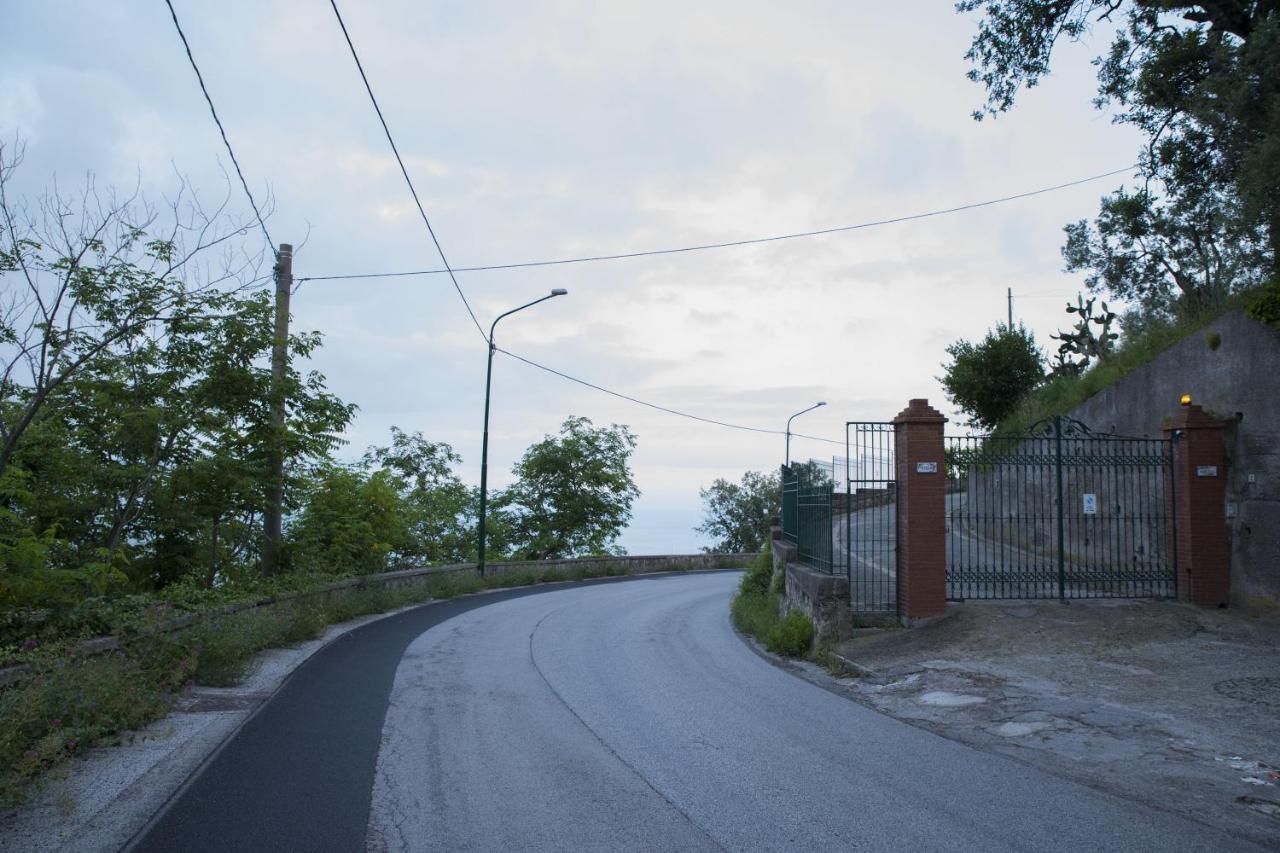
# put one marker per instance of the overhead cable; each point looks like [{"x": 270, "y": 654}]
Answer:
[
  {"x": 221, "y": 130},
  {"x": 659, "y": 408},
  {"x": 403, "y": 171},
  {"x": 723, "y": 245}
]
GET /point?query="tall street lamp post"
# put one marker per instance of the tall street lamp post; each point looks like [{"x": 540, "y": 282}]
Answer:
[
  {"x": 484, "y": 447},
  {"x": 792, "y": 418}
]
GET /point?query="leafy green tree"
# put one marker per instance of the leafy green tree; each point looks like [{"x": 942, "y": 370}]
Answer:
[
  {"x": 351, "y": 523},
  {"x": 89, "y": 277},
  {"x": 573, "y": 493},
  {"x": 988, "y": 380},
  {"x": 1201, "y": 81},
  {"x": 736, "y": 515},
  {"x": 439, "y": 512},
  {"x": 133, "y": 391},
  {"x": 1168, "y": 258}
]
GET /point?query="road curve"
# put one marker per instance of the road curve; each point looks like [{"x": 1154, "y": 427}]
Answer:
[{"x": 622, "y": 716}]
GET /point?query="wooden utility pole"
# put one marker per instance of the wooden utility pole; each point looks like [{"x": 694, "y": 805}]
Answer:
[
  {"x": 1011, "y": 309},
  {"x": 273, "y": 514}
]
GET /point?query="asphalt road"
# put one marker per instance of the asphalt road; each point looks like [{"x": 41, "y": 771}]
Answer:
[{"x": 616, "y": 716}]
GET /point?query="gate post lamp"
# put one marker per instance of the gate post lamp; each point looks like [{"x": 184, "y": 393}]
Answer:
[
  {"x": 792, "y": 418},
  {"x": 484, "y": 447}
]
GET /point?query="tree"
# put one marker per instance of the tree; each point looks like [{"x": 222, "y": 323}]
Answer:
[
  {"x": 134, "y": 423},
  {"x": 573, "y": 493},
  {"x": 351, "y": 523},
  {"x": 1168, "y": 258},
  {"x": 989, "y": 379},
  {"x": 439, "y": 512},
  {"x": 736, "y": 515},
  {"x": 1200, "y": 80},
  {"x": 87, "y": 275}
]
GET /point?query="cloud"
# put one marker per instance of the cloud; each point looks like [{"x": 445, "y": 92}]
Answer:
[{"x": 574, "y": 128}]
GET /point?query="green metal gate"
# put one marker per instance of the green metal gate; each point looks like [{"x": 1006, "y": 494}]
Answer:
[
  {"x": 865, "y": 529},
  {"x": 1059, "y": 512}
]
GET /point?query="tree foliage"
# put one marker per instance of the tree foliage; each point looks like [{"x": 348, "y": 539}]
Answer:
[
  {"x": 988, "y": 379},
  {"x": 136, "y": 436},
  {"x": 134, "y": 427},
  {"x": 1202, "y": 82},
  {"x": 573, "y": 493},
  {"x": 736, "y": 515}
]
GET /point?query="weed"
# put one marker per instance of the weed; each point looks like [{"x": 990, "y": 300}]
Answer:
[{"x": 790, "y": 635}]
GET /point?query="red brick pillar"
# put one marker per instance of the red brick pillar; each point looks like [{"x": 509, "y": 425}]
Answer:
[
  {"x": 1198, "y": 490},
  {"x": 921, "y": 485}
]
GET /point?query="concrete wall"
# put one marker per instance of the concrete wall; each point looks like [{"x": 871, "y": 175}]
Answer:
[{"x": 1239, "y": 381}]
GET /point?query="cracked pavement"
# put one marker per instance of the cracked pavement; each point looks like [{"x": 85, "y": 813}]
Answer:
[{"x": 1155, "y": 701}]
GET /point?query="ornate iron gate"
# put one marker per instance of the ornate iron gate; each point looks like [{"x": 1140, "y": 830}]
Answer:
[
  {"x": 1059, "y": 512},
  {"x": 865, "y": 522}
]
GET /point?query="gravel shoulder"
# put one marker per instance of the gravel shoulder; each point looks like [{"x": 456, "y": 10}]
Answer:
[{"x": 1156, "y": 701}]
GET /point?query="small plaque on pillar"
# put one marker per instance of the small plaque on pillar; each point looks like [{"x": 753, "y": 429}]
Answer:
[
  {"x": 1206, "y": 470},
  {"x": 926, "y": 467}
]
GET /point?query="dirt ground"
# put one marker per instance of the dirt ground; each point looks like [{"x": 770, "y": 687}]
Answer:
[{"x": 1158, "y": 701}]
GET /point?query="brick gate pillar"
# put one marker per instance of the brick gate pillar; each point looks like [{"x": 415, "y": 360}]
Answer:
[
  {"x": 921, "y": 484},
  {"x": 1198, "y": 489}
]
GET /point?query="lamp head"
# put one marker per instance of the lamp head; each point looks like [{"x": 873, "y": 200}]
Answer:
[
  {"x": 1185, "y": 399},
  {"x": 559, "y": 291},
  {"x": 822, "y": 403}
]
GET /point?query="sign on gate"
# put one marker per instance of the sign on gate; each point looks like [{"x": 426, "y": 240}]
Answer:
[{"x": 1090, "y": 505}]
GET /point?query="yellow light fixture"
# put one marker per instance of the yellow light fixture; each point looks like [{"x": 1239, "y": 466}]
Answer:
[{"x": 1185, "y": 399}]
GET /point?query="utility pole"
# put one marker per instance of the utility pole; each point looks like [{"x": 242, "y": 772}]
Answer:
[
  {"x": 1011, "y": 309},
  {"x": 273, "y": 514}
]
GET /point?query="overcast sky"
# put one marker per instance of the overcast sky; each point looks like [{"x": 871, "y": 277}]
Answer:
[{"x": 557, "y": 129}]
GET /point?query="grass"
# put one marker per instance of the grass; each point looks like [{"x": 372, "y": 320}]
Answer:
[
  {"x": 756, "y": 611},
  {"x": 69, "y": 703},
  {"x": 1061, "y": 395}
]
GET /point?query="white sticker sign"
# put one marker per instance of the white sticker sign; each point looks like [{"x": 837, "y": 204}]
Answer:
[
  {"x": 1207, "y": 471},
  {"x": 926, "y": 467},
  {"x": 1090, "y": 504}
]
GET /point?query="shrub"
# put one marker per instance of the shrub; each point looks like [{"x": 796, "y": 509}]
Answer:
[
  {"x": 759, "y": 573},
  {"x": 1264, "y": 305},
  {"x": 790, "y": 635},
  {"x": 988, "y": 380}
]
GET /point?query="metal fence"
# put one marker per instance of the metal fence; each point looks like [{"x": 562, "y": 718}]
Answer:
[
  {"x": 1059, "y": 512},
  {"x": 867, "y": 528},
  {"x": 806, "y": 511},
  {"x": 841, "y": 516}
]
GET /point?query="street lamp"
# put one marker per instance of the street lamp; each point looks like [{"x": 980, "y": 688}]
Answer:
[
  {"x": 792, "y": 418},
  {"x": 484, "y": 448}
]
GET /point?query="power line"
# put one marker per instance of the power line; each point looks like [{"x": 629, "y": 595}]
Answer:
[
  {"x": 221, "y": 130},
  {"x": 404, "y": 172},
  {"x": 659, "y": 408},
  {"x": 728, "y": 244}
]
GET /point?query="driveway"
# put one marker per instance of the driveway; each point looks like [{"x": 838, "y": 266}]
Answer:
[{"x": 1159, "y": 701}]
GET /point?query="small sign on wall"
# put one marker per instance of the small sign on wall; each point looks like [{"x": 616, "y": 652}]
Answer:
[
  {"x": 1206, "y": 470},
  {"x": 1090, "y": 504},
  {"x": 926, "y": 467}
]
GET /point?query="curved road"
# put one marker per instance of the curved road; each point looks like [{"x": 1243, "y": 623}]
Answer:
[{"x": 613, "y": 716}]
